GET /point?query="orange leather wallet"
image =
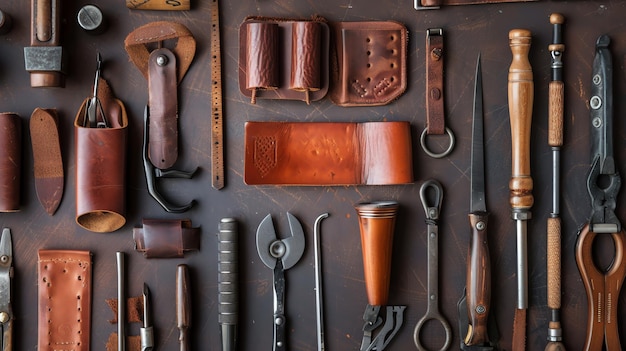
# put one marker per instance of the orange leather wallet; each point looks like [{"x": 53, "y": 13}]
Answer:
[{"x": 284, "y": 153}]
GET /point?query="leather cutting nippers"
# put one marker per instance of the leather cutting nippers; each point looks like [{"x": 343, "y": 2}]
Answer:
[
  {"x": 603, "y": 183},
  {"x": 94, "y": 113},
  {"x": 279, "y": 255},
  {"x": 6, "y": 274}
]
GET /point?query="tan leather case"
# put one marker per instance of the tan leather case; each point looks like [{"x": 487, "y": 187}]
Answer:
[
  {"x": 283, "y": 153},
  {"x": 10, "y": 161},
  {"x": 369, "y": 63}
]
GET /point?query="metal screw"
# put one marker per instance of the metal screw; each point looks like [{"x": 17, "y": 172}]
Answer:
[
  {"x": 4, "y": 317},
  {"x": 278, "y": 320},
  {"x": 597, "y": 79},
  {"x": 480, "y": 225},
  {"x": 595, "y": 102},
  {"x": 480, "y": 309},
  {"x": 4, "y": 259},
  {"x": 162, "y": 60},
  {"x": 597, "y": 122}
]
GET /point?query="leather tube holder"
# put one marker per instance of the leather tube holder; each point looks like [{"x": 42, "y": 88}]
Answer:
[
  {"x": 369, "y": 63},
  {"x": 64, "y": 300},
  {"x": 304, "y": 153},
  {"x": 376, "y": 224},
  {"x": 284, "y": 58},
  {"x": 101, "y": 167},
  {"x": 10, "y": 161},
  {"x": 166, "y": 238}
]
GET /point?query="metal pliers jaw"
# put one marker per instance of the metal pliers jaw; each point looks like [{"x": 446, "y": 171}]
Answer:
[
  {"x": 6, "y": 274},
  {"x": 152, "y": 173}
]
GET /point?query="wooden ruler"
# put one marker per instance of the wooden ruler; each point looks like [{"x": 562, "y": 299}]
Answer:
[{"x": 217, "y": 117}]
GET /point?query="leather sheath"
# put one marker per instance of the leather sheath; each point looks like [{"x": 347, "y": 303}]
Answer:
[
  {"x": 64, "y": 300},
  {"x": 101, "y": 166},
  {"x": 166, "y": 238},
  {"x": 369, "y": 63},
  {"x": 436, "y": 3},
  {"x": 10, "y": 161},
  {"x": 435, "y": 116},
  {"x": 284, "y": 58},
  {"x": 304, "y": 153},
  {"x": 48, "y": 162}
]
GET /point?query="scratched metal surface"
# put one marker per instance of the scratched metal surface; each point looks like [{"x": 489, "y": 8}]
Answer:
[{"x": 469, "y": 30}]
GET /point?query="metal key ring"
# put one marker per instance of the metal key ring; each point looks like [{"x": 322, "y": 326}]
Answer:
[
  {"x": 432, "y": 311},
  {"x": 442, "y": 154}
]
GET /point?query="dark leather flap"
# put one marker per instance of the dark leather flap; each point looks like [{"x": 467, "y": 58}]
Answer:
[{"x": 166, "y": 238}]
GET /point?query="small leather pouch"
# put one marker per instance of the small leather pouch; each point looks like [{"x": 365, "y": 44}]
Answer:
[
  {"x": 283, "y": 153},
  {"x": 284, "y": 59},
  {"x": 369, "y": 63},
  {"x": 166, "y": 238},
  {"x": 10, "y": 161},
  {"x": 101, "y": 166},
  {"x": 64, "y": 300}
]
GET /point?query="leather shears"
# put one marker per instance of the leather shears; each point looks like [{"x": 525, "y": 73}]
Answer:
[
  {"x": 280, "y": 255},
  {"x": 602, "y": 286},
  {"x": 432, "y": 311},
  {"x": 6, "y": 274}
]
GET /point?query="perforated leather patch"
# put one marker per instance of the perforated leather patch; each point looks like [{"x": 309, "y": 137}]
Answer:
[{"x": 265, "y": 154}]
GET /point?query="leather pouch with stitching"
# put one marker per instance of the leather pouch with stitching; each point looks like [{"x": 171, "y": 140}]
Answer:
[
  {"x": 10, "y": 161},
  {"x": 369, "y": 63},
  {"x": 101, "y": 167}
]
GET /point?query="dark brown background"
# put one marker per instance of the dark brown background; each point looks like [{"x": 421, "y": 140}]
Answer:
[{"x": 468, "y": 29}]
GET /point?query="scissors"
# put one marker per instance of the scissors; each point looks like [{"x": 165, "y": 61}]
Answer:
[
  {"x": 432, "y": 311},
  {"x": 6, "y": 274},
  {"x": 603, "y": 286}
]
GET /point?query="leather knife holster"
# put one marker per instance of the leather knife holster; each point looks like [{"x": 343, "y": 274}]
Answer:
[
  {"x": 101, "y": 166},
  {"x": 10, "y": 161},
  {"x": 368, "y": 63},
  {"x": 166, "y": 238},
  {"x": 312, "y": 153}
]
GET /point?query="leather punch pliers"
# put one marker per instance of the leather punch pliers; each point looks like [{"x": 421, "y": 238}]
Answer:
[
  {"x": 6, "y": 274},
  {"x": 603, "y": 183},
  {"x": 279, "y": 255}
]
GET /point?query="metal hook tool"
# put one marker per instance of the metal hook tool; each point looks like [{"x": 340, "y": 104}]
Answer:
[
  {"x": 94, "y": 113},
  {"x": 432, "y": 311},
  {"x": 319, "y": 308}
]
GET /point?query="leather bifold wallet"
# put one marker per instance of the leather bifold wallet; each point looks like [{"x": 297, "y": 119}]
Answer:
[
  {"x": 101, "y": 165},
  {"x": 311, "y": 153}
]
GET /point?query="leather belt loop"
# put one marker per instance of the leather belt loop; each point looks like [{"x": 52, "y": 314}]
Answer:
[
  {"x": 435, "y": 115},
  {"x": 166, "y": 238}
]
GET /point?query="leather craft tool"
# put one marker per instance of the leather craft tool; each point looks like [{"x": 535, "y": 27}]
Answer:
[
  {"x": 146, "y": 332},
  {"x": 520, "y": 91},
  {"x": 44, "y": 57},
  {"x": 183, "y": 306},
  {"x": 476, "y": 328},
  {"x": 602, "y": 284},
  {"x": 319, "y": 304},
  {"x": 121, "y": 301},
  {"x": 279, "y": 255},
  {"x": 435, "y": 106},
  {"x": 433, "y": 212},
  {"x": 153, "y": 173},
  {"x": 168, "y": 5},
  {"x": 6, "y": 275},
  {"x": 555, "y": 140},
  {"x": 94, "y": 113},
  {"x": 164, "y": 68},
  {"x": 217, "y": 114},
  {"x": 376, "y": 224},
  {"x": 47, "y": 158},
  {"x": 228, "y": 282}
]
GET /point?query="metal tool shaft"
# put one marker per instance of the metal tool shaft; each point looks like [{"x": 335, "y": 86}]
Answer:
[
  {"x": 520, "y": 92},
  {"x": 183, "y": 306},
  {"x": 121, "y": 302},
  {"x": 319, "y": 306},
  {"x": 228, "y": 276}
]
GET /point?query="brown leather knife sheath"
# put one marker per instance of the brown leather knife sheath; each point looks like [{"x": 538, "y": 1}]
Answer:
[
  {"x": 48, "y": 163},
  {"x": 64, "y": 300},
  {"x": 282, "y": 153}
]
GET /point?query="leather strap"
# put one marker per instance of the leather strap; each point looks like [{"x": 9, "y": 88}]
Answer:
[
  {"x": 434, "y": 4},
  {"x": 282, "y": 153},
  {"x": 164, "y": 69},
  {"x": 10, "y": 161},
  {"x": 435, "y": 117},
  {"x": 166, "y": 238},
  {"x": 48, "y": 163},
  {"x": 64, "y": 300},
  {"x": 369, "y": 63}
]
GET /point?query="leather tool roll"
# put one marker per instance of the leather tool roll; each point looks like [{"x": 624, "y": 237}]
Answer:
[
  {"x": 166, "y": 238},
  {"x": 284, "y": 59},
  {"x": 369, "y": 63},
  {"x": 64, "y": 300},
  {"x": 370, "y": 153},
  {"x": 10, "y": 161},
  {"x": 101, "y": 166}
]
